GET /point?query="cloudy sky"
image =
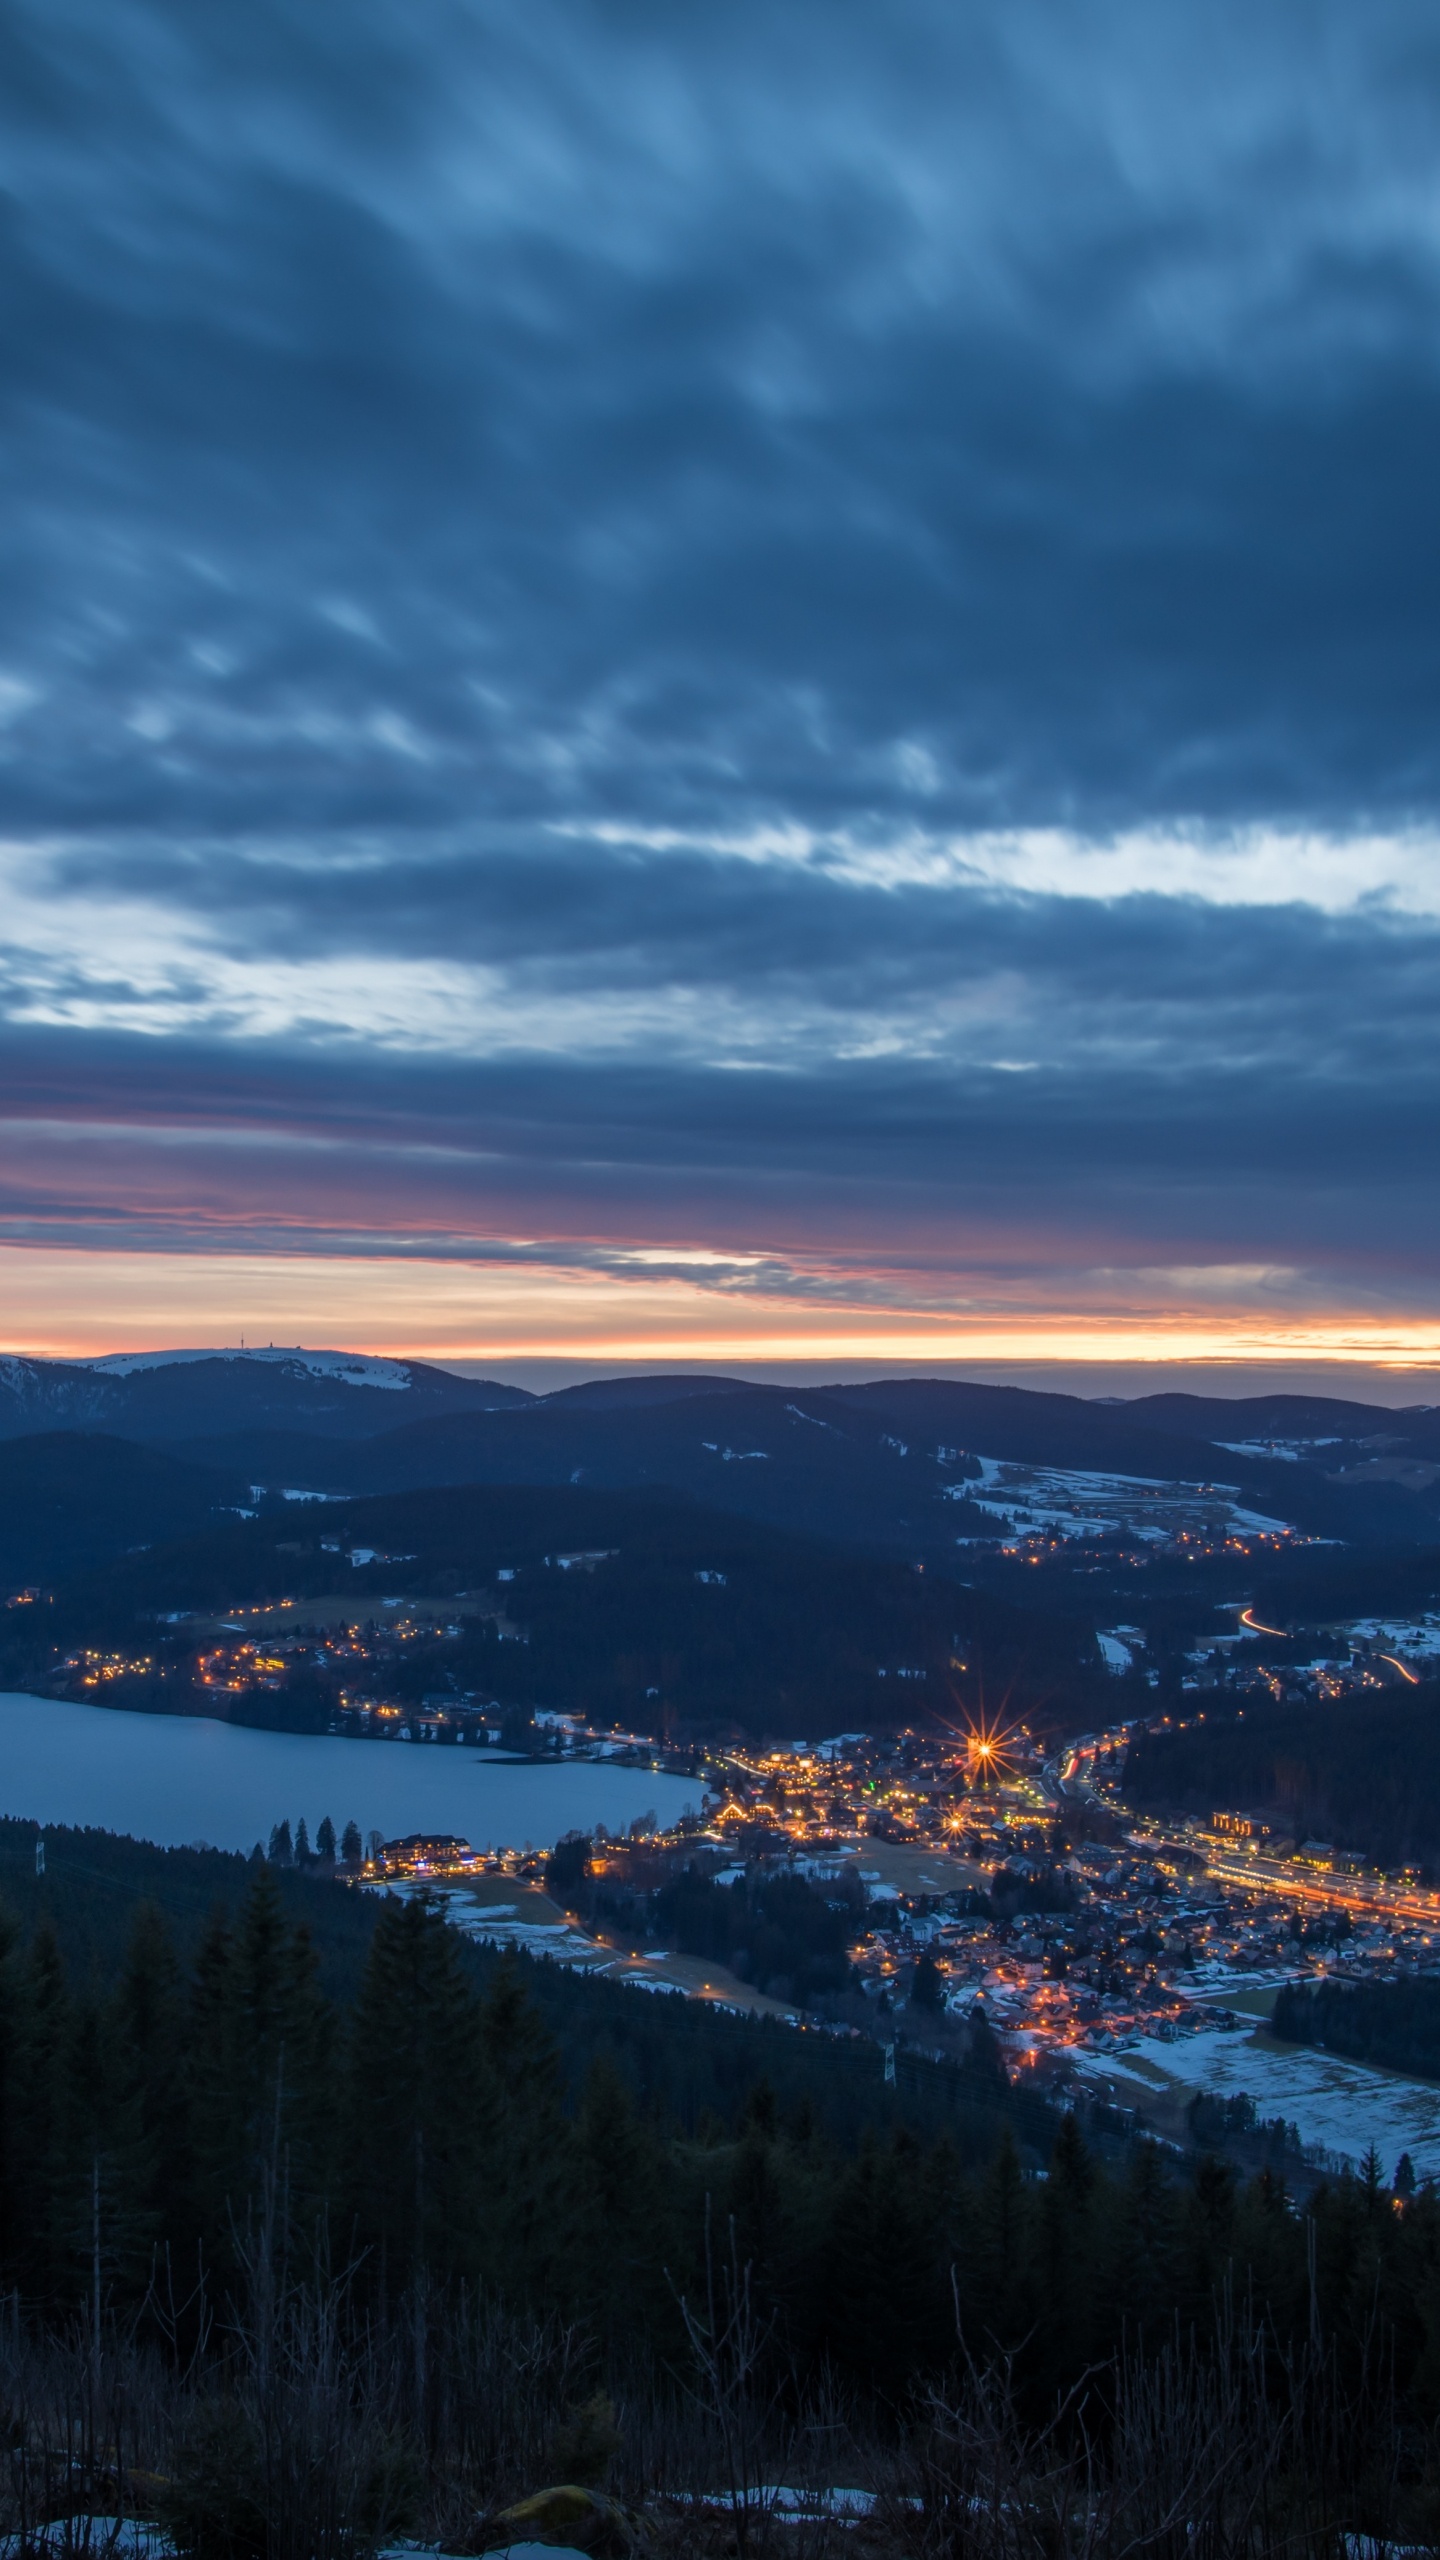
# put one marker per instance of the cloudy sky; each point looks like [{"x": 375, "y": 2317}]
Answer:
[{"x": 743, "y": 679}]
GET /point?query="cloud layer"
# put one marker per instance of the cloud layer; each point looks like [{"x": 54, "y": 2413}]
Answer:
[{"x": 786, "y": 634}]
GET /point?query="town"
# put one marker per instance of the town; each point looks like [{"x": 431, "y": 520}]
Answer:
[
  {"x": 925, "y": 1891},
  {"x": 930, "y": 1883}
]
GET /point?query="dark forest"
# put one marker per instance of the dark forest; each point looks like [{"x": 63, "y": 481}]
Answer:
[{"x": 271, "y": 2150}]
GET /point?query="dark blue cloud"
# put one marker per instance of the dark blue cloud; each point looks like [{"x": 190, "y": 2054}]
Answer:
[
  {"x": 609, "y": 501},
  {"x": 556, "y": 409}
]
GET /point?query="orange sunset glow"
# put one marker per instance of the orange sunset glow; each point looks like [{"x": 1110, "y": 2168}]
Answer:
[{"x": 60, "y": 1304}]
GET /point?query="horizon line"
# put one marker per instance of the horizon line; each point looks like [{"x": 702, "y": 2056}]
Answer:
[{"x": 1383, "y": 1350}]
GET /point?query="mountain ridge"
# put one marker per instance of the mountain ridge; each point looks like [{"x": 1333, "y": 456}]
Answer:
[
  {"x": 883, "y": 1462},
  {"x": 156, "y": 1396}
]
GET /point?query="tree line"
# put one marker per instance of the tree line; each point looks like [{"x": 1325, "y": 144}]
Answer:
[
  {"x": 1367, "y": 1782},
  {"x": 1393, "y": 2024},
  {"x": 423, "y": 2133}
]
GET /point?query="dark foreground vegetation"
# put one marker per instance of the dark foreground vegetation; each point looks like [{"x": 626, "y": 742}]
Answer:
[{"x": 316, "y": 2229}]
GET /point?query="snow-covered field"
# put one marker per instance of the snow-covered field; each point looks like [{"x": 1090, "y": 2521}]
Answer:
[
  {"x": 1083, "y": 1502},
  {"x": 1291, "y": 1450},
  {"x": 1419, "y": 1636},
  {"x": 537, "y": 1927},
  {"x": 1342, "y": 2105}
]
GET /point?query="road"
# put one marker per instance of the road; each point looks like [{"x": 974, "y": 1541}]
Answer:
[
  {"x": 1312, "y": 1886},
  {"x": 1071, "y": 1773}
]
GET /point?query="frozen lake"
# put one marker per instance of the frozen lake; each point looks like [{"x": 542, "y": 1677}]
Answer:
[{"x": 178, "y": 1779}]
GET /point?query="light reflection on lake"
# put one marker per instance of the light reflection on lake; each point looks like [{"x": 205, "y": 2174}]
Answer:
[{"x": 176, "y": 1779}]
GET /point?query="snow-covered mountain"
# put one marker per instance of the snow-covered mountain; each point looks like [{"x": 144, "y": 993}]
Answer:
[
  {"x": 185, "y": 1395},
  {"x": 353, "y": 1368}
]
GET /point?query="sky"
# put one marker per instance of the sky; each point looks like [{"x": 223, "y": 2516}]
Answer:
[{"x": 749, "y": 684}]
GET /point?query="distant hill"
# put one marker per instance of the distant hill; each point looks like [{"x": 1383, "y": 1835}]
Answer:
[
  {"x": 876, "y": 1463},
  {"x": 882, "y": 1473},
  {"x": 611, "y": 1395},
  {"x": 880, "y": 1464},
  {"x": 636, "y": 1605},
  {"x": 1282, "y": 1417},
  {"x": 73, "y": 1499},
  {"x": 184, "y": 1395}
]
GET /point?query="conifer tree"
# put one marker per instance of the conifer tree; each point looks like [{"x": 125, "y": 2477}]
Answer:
[
  {"x": 44, "y": 2130},
  {"x": 14, "y": 2093},
  {"x": 284, "y": 2040},
  {"x": 1207, "y": 2238},
  {"x": 416, "y": 2099},
  {"x": 985, "y": 2062},
  {"x": 150, "y": 2130},
  {"x": 775, "y": 2197},
  {"x": 619, "y": 2242},
  {"x": 761, "y": 2115},
  {"x": 1065, "y": 2253},
  {"x": 879, "y": 2280},
  {"x": 325, "y": 1839},
  {"x": 927, "y": 1986},
  {"x": 1265, "y": 2233},
  {"x": 1000, "y": 2294},
  {"x": 1139, "y": 2287},
  {"x": 261, "y": 2060},
  {"x": 94, "y": 2222},
  {"x": 217, "y": 2131},
  {"x": 352, "y": 1847}
]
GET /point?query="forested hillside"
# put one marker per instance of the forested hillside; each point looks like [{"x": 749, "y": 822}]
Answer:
[
  {"x": 358, "y": 2233},
  {"x": 1363, "y": 1775},
  {"x": 679, "y": 2058},
  {"x": 632, "y": 1608}
]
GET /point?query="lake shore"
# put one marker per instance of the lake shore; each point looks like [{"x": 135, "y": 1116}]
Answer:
[{"x": 180, "y": 1779}]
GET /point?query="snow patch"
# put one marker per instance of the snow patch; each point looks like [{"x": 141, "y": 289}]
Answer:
[
  {"x": 1086, "y": 1502},
  {"x": 1342, "y": 2105},
  {"x": 1292, "y": 1450},
  {"x": 105, "y": 2537},
  {"x": 348, "y": 1368}
]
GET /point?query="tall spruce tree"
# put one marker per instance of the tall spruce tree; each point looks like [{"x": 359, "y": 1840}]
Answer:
[
  {"x": 14, "y": 2095},
  {"x": 998, "y": 2300},
  {"x": 44, "y": 2132},
  {"x": 150, "y": 2128},
  {"x": 526, "y": 2165},
  {"x": 261, "y": 2061},
  {"x": 619, "y": 2239},
  {"x": 1065, "y": 2254},
  {"x": 880, "y": 2283},
  {"x": 418, "y": 2102},
  {"x": 219, "y": 2147}
]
